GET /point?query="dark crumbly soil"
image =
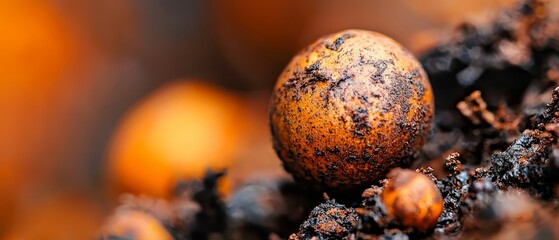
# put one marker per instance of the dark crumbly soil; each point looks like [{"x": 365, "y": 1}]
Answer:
[
  {"x": 493, "y": 152},
  {"x": 329, "y": 220}
]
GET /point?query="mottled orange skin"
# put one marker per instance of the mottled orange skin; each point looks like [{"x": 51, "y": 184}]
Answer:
[
  {"x": 412, "y": 199},
  {"x": 348, "y": 108}
]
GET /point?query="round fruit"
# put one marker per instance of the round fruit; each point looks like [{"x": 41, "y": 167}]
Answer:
[
  {"x": 176, "y": 133},
  {"x": 348, "y": 108},
  {"x": 412, "y": 199},
  {"x": 134, "y": 224}
]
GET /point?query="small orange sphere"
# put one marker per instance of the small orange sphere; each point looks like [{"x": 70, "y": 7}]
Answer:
[
  {"x": 349, "y": 108},
  {"x": 176, "y": 133},
  {"x": 134, "y": 224},
  {"x": 412, "y": 199}
]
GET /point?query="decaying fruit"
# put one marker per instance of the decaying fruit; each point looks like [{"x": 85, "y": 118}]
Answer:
[
  {"x": 412, "y": 199},
  {"x": 348, "y": 108}
]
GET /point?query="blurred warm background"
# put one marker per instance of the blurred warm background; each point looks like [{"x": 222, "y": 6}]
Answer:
[{"x": 103, "y": 97}]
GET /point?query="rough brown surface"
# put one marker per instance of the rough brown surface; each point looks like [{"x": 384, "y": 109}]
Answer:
[
  {"x": 348, "y": 108},
  {"x": 329, "y": 220}
]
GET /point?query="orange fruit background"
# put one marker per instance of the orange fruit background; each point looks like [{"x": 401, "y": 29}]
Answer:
[{"x": 177, "y": 132}]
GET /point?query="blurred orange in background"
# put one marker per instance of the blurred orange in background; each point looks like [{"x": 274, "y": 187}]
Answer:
[
  {"x": 33, "y": 33},
  {"x": 453, "y": 12},
  {"x": 135, "y": 224},
  {"x": 51, "y": 76},
  {"x": 176, "y": 133},
  {"x": 66, "y": 216},
  {"x": 36, "y": 49}
]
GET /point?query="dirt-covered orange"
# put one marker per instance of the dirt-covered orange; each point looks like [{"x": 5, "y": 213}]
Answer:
[{"x": 348, "y": 108}]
